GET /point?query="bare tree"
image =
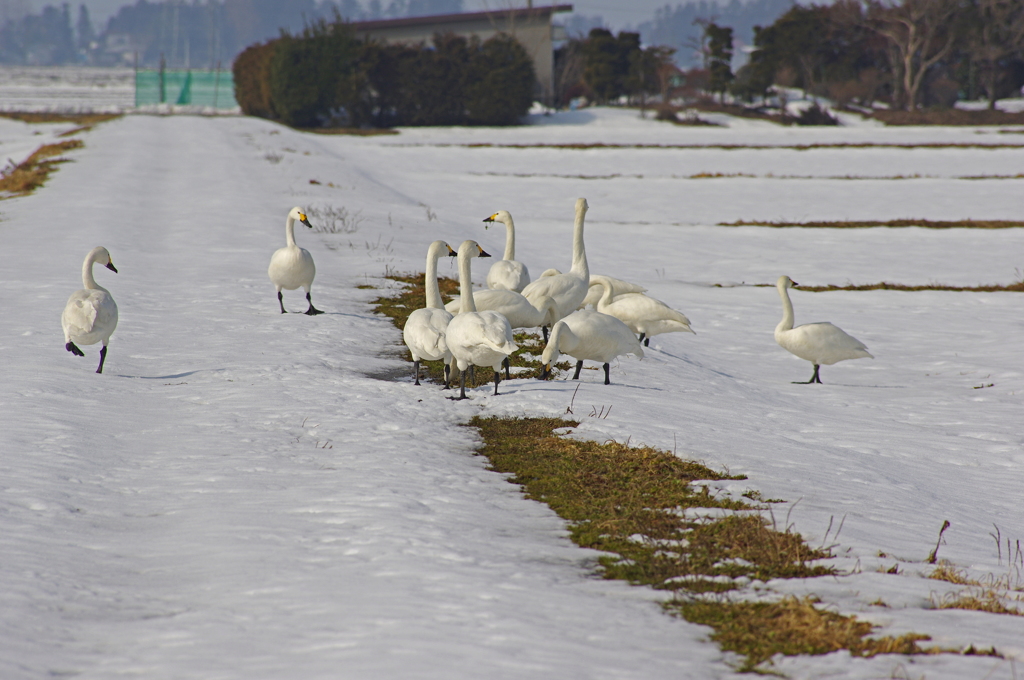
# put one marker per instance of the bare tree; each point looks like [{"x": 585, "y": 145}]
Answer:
[
  {"x": 919, "y": 34},
  {"x": 997, "y": 33}
]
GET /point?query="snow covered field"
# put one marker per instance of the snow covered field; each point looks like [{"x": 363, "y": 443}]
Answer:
[{"x": 244, "y": 494}]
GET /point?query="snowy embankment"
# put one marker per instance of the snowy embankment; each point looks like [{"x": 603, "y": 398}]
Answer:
[{"x": 247, "y": 494}]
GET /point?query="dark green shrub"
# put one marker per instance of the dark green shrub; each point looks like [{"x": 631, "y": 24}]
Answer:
[
  {"x": 501, "y": 82},
  {"x": 815, "y": 115},
  {"x": 310, "y": 74},
  {"x": 252, "y": 80}
]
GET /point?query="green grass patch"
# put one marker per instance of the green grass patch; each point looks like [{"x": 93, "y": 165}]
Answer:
[
  {"x": 597, "y": 146},
  {"x": 525, "y": 361},
  {"x": 667, "y": 530},
  {"x": 32, "y": 173},
  {"x": 924, "y": 224},
  {"x": 791, "y": 627}
]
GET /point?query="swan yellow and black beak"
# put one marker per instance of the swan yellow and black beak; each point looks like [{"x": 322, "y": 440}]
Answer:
[
  {"x": 483, "y": 253},
  {"x": 794, "y": 283},
  {"x": 490, "y": 219},
  {"x": 545, "y": 371},
  {"x": 451, "y": 253},
  {"x": 305, "y": 220},
  {"x": 110, "y": 266}
]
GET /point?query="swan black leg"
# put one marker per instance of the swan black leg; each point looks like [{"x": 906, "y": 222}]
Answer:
[
  {"x": 507, "y": 364},
  {"x": 607, "y": 381},
  {"x": 497, "y": 379},
  {"x": 103, "y": 357},
  {"x": 814, "y": 378},
  {"x": 416, "y": 371},
  {"x": 472, "y": 373},
  {"x": 544, "y": 329},
  {"x": 579, "y": 367},
  {"x": 312, "y": 310},
  {"x": 462, "y": 384},
  {"x": 280, "y": 301},
  {"x": 647, "y": 342},
  {"x": 73, "y": 348},
  {"x": 642, "y": 336},
  {"x": 447, "y": 376}
]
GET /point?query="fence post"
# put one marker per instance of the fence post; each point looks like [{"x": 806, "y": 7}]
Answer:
[{"x": 163, "y": 91}]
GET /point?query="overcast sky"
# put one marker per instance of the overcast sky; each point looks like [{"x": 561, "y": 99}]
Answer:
[{"x": 618, "y": 14}]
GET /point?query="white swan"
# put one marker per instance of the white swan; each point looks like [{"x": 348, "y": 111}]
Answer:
[
  {"x": 590, "y": 335},
  {"x": 643, "y": 315},
  {"x": 507, "y": 273},
  {"x": 619, "y": 287},
  {"x": 520, "y": 311},
  {"x": 568, "y": 289},
  {"x": 425, "y": 329},
  {"x": 820, "y": 343},
  {"x": 477, "y": 338},
  {"x": 90, "y": 316},
  {"x": 292, "y": 266}
]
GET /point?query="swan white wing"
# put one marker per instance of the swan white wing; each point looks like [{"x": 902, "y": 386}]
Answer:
[
  {"x": 89, "y": 316},
  {"x": 425, "y": 334},
  {"x": 519, "y": 311},
  {"x": 480, "y": 338},
  {"x": 508, "y": 275},
  {"x": 645, "y": 314},
  {"x": 567, "y": 290},
  {"x": 601, "y": 337},
  {"x": 822, "y": 343}
]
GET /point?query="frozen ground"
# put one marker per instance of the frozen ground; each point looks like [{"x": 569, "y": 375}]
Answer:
[{"x": 249, "y": 495}]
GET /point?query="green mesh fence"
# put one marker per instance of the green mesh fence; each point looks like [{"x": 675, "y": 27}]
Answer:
[{"x": 196, "y": 88}]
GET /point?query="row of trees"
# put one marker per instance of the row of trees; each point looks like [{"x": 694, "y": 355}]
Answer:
[
  {"x": 326, "y": 76},
  {"x": 183, "y": 32},
  {"x": 914, "y": 52}
]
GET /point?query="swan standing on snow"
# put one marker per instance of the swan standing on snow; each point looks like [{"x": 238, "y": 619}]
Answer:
[
  {"x": 568, "y": 289},
  {"x": 477, "y": 338},
  {"x": 590, "y": 335},
  {"x": 90, "y": 315},
  {"x": 425, "y": 329},
  {"x": 643, "y": 315},
  {"x": 507, "y": 273},
  {"x": 292, "y": 266},
  {"x": 820, "y": 343}
]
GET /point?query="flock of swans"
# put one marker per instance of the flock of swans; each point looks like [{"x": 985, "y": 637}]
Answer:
[{"x": 475, "y": 329}]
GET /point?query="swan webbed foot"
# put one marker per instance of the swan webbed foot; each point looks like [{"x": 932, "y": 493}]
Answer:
[
  {"x": 280, "y": 301},
  {"x": 579, "y": 367},
  {"x": 814, "y": 378},
  {"x": 312, "y": 311},
  {"x": 73, "y": 348},
  {"x": 607, "y": 381},
  {"x": 103, "y": 357}
]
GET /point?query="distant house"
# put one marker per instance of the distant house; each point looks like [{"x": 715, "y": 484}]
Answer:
[{"x": 531, "y": 26}]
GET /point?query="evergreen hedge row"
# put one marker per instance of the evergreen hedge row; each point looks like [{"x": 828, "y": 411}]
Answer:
[{"x": 327, "y": 77}]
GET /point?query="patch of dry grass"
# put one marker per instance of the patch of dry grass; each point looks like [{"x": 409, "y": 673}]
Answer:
[
  {"x": 355, "y": 132},
  {"x": 1016, "y": 287},
  {"x": 994, "y": 594},
  {"x": 726, "y": 147},
  {"x": 760, "y": 630},
  {"x": 33, "y": 172},
  {"x": 83, "y": 119},
  {"x": 924, "y": 224}
]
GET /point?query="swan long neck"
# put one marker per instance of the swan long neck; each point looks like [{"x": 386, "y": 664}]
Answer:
[
  {"x": 606, "y": 296},
  {"x": 510, "y": 239},
  {"x": 787, "y": 310},
  {"x": 579, "y": 251},
  {"x": 289, "y": 230},
  {"x": 563, "y": 337},
  {"x": 88, "y": 281},
  {"x": 430, "y": 280},
  {"x": 466, "y": 282}
]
